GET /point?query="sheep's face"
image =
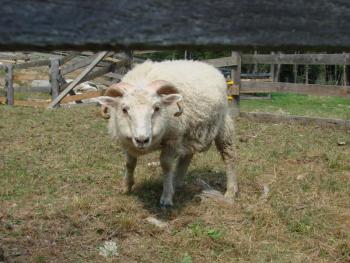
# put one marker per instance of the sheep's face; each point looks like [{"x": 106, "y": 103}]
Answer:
[{"x": 141, "y": 112}]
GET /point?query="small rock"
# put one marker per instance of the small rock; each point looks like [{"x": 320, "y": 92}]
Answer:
[
  {"x": 156, "y": 222},
  {"x": 266, "y": 191},
  {"x": 153, "y": 164},
  {"x": 109, "y": 249},
  {"x": 300, "y": 177}
]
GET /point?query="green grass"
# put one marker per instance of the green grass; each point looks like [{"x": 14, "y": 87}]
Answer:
[
  {"x": 32, "y": 95},
  {"x": 304, "y": 105},
  {"x": 60, "y": 199}
]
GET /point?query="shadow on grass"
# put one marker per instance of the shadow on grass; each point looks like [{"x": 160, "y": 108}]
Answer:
[{"x": 149, "y": 192}]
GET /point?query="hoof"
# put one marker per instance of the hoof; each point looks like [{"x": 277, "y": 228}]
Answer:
[
  {"x": 166, "y": 203},
  {"x": 165, "y": 206},
  {"x": 231, "y": 195},
  {"x": 126, "y": 190}
]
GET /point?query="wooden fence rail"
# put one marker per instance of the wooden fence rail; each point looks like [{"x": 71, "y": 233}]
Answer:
[
  {"x": 302, "y": 59},
  {"x": 249, "y": 87}
]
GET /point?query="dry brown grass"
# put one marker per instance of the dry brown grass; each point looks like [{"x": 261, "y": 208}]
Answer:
[{"x": 60, "y": 177}]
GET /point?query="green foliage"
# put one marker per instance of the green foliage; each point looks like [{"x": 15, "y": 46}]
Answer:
[
  {"x": 180, "y": 54},
  {"x": 186, "y": 259},
  {"x": 214, "y": 234}
]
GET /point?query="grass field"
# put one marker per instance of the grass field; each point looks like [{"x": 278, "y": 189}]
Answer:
[
  {"x": 298, "y": 104},
  {"x": 60, "y": 200}
]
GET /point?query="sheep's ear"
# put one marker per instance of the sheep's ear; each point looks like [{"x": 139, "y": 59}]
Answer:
[
  {"x": 172, "y": 98},
  {"x": 169, "y": 94},
  {"x": 107, "y": 101}
]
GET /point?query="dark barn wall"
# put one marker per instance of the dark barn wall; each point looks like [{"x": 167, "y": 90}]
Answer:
[{"x": 88, "y": 24}]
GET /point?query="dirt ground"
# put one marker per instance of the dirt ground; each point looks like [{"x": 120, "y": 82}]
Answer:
[{"x": 60, "y": 199}]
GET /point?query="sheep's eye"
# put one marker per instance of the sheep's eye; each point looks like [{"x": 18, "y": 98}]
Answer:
[
  {"x": 125, "y": 110},
  {"x": 156, "y": 108}
]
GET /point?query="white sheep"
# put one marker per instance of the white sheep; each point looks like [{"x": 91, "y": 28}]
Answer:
[{"x": 178, "y": 107}]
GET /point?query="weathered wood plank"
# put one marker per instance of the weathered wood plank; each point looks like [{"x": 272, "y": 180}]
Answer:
[
  {"x": 304, "y": 59},
  {"x": 69, "y": 57},
  {"x": 306, "y": 73},
  {"x": 311, "y": 89},
  {"x": 27, "y": 76},
  {"x": 77, "y": 65},
  {"x": 81, "y": 24},
  {"x": 115, "y": 75},
  {"x": 277, "y": 118},
  {"x": 13, "y": 57},
  {"x": 55, "y": 78},
  {"x": 84, "y": 96},
  {"x": 235, "y": 88},
  {"x": 9, "y": 84},
  {"x": 92, "y": 75},
  {"x": 222, "y": 62},
  {"x": 83, "y": 63},
  {"x": 81, "y": 76},
  {"x": 30, "y": 64}
]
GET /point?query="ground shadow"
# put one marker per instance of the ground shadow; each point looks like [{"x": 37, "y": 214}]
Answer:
[{"x": 149, "y": 192}]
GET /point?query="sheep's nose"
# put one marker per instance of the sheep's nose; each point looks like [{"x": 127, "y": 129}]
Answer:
[{"x": 142, "y": 139}]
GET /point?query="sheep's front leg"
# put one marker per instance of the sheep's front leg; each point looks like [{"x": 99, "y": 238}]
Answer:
[
  {"x": 181, "y": 169},
  {"x": 129, "y": 172},
  {"x": 167, "y": 159}
]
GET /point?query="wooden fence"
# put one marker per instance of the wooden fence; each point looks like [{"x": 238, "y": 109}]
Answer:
[
  {"x": 96, "y": 65},
  {"x": 248, "y": 87},
  {"x": 295, "y": 60}
]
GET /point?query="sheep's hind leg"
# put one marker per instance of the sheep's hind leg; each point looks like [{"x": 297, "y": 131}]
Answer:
[
  {"x": 181, "y": 169},
  {"x": 129, "y": 173},
  {"x": 225, "y": 145},
  {"x": 167, "y": 159}
]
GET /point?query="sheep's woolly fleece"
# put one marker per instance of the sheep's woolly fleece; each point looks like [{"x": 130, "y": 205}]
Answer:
[{"x": 203, "y": 88}]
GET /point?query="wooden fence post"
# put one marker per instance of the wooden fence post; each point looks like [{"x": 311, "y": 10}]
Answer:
[
  {"x": 295, "y": 72},
  {"x": 272, "y": 69},
  {"x": 55, "y": 77},
  {"x": 278, "y": 71},
  {"x": 236, "y": 77},
  {"x": 129, "y": 54},
  {"x": 345, "y": 73},
  {"x": 306, "y": 74},
  {"x": 9, "y": 85},
  {"x": 255, "y": 69}
]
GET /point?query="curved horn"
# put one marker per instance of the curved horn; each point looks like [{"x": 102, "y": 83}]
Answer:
[
  {"x": 163, "y": 87},
  {"x": 118, "y": 89},
  {"x": 115, "y": 90}
]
